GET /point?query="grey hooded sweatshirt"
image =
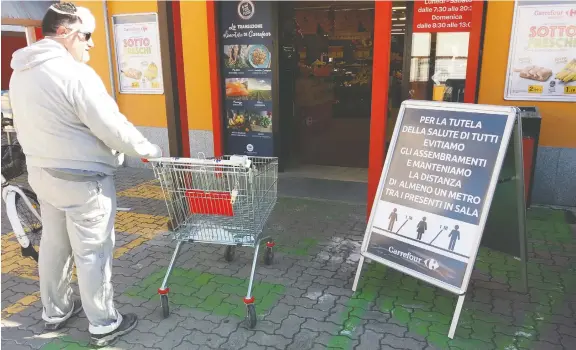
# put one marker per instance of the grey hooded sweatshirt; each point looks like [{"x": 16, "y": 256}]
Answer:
[{"x": 63, "y": 115}]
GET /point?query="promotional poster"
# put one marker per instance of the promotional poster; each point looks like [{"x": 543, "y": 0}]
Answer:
[
  {"x": 246, "y": 35},
  {"x": 138, "y": 56},
  {"x": 542, "y": 58}
]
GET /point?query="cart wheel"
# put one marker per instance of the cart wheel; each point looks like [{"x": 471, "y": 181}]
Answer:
[
  {"x": 269, "y": 256},
  {"x": 251, "y": 316},
  {"x": 230, "y": 253},
  {"x": 165, "y": 307}
]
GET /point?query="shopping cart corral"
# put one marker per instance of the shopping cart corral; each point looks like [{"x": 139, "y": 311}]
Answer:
[{"x": 224, "y": 200}]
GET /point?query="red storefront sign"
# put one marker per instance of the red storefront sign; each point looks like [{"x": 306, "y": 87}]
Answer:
[{"x": 433, "y": 16}]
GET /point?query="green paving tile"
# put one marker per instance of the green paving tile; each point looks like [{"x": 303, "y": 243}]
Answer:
[
  {"x": 417, "y": 326},
  {"x": 67, "y": 343},
  {"x": 214, "y": 300},
  {"x": 227, "y": 280},
  {"x": 387, "y": 305},
  {"x": 545, "y": 214},
  {"x": 440, "y": 340},
  {"x": 471, "y": 344},
  {"x": 215, "y": 294},
  {"x": 224, "y": 309},
  {"x": 426, "y": 294},
  {"x": 339, "y": 342},
  {"x": 401, "y": 314},
  {"x": 435, "y": 317},
  {"x": 202, "y": 279}
]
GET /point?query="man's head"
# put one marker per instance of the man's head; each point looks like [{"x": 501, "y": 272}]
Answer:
[{"x": 72, "y": 27}]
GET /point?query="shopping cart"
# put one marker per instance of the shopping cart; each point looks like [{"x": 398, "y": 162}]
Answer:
[{"x": 224, "y": 200}]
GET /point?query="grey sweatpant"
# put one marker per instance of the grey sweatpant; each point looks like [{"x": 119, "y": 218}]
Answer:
[{"x": 78, "y": 215}]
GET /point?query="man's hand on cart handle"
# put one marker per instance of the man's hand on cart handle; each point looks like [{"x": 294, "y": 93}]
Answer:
[{"x": 156, "y": 154}]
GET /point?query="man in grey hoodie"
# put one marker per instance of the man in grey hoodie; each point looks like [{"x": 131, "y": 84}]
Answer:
[{"x": 72, "y": 133}]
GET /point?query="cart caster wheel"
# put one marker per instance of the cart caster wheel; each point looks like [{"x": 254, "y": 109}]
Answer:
[
  {"x": 230, "y": 253},
  {"x": 165, "y": 307},
  {"x": 251, "y": 316},
  {"x": 268, "y": 256}
]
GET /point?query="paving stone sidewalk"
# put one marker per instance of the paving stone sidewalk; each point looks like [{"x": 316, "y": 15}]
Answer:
[{"x": 304, "y": 300}]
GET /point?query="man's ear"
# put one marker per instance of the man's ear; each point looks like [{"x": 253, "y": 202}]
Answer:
[{"x": 61, "y": 31}]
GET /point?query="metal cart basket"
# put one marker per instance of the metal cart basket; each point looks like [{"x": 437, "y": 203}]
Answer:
[{"x": 224, "y": 200}]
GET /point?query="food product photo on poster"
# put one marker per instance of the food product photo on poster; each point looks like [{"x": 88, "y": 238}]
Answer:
[
  {"x": 138, "y": 58},
  {"x": 251, "y": 57},
  {"x": 248, "y": 89},
  {"x": 542, "y": 56},
  {"x": 249, "y": 116}
]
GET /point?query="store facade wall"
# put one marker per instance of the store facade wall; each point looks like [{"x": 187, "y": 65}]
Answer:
[
  {"x": 195, "y": 47},
  {"x": 554, "y": 179}
]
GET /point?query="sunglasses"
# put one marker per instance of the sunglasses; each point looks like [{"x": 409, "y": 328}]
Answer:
[{"x": 87, "y": 36}]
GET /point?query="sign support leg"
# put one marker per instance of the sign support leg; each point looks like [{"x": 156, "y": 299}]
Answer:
[
  {"x": 521, "y": 199},
  {"x": 456, "y": 316},
  {"x": 358, "y": 273}
]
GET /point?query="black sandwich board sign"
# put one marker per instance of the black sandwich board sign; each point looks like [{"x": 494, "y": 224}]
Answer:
[{"x": 436, "y": 189}]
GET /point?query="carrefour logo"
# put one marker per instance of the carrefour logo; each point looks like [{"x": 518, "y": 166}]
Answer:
[
  {"x": 431, "y": 264},
  {"x": 407, "y": 256}
]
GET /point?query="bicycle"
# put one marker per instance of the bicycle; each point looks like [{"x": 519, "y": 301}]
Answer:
[{"x": 22, "y": 206}]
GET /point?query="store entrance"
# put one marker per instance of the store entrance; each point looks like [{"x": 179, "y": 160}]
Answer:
[
  {"x": 325, "y": 84},
  {"x": 325, "y": 74}
]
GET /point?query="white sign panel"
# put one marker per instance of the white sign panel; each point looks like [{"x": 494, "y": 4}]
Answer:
[
  {"x": 436, "y": 189},
  {"x": 542, "y": 56},
  {"x": 138, "y": 58}
]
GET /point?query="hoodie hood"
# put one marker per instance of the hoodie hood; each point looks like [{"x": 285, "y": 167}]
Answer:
[{"x": 37, "y": 53}]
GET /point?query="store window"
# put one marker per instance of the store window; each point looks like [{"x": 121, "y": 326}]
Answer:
[
  {"x": 438, "y": 65},
  {"x": 429, "y": 53}
]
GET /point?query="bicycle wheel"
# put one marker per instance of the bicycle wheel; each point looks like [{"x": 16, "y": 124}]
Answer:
[{"x": 30, "y": 223}]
